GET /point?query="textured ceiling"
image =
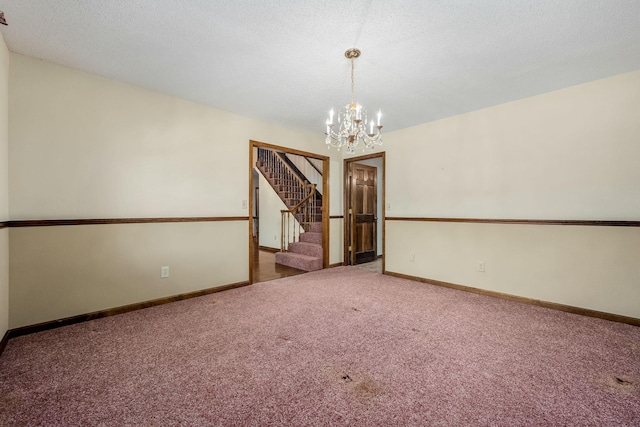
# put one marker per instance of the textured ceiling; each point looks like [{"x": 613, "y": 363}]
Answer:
[{"x": 282, "y": 60}]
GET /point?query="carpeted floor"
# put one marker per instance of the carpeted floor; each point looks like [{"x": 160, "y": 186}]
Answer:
[
  {"x": 374, "y": 266},
  {"x": 342, "y": 346}
]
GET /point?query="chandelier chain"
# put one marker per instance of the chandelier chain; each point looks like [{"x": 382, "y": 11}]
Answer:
[{"x": 353, "y": 83}]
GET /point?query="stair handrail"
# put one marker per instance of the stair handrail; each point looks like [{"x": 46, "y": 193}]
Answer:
[
  {"x": 293, "y": 172},
  {"x": 300, "y": 212},
  {"x": 269, "y": 157},
  {"x": 312, "y": 165},
  {"x": 311, "y": 193},
  {"x": 283, "y": 163}
]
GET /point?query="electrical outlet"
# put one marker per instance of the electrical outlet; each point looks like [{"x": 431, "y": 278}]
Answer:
[
  {"x": 388, "y": 206},
  {"x": 412, "y": 256},
  {"x": 481, "y": 267},
  {"x": 164, "y": 272}
]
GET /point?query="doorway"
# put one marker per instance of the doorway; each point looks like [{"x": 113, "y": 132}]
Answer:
[
  {"x": 258, "y": 271},
  {"x": 364, "y": 214}
]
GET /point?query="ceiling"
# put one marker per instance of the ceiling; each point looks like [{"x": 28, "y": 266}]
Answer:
[{"x": 283, "y": 60}]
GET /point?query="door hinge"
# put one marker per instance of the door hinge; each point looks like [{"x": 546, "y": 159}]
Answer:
[
  {"x": 350, "y": 249},
  {"x": 350, "y": 211}
]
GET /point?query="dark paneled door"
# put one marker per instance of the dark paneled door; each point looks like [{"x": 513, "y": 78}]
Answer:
[{"x": 362, "y": 210}]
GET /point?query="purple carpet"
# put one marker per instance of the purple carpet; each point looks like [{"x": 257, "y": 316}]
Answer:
[{"x": 335, "y": 347}]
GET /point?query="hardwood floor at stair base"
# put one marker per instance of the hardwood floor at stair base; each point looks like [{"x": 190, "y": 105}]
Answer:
[{"x": 265, "y": 267}]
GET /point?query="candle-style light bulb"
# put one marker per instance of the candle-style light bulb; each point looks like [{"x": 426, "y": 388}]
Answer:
[
  {"x": 331, "y": 117},
  {"x": 371, "y": 128},
  {"x": 379, "y": 115}
]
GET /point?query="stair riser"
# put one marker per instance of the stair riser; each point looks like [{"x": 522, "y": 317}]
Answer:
[
  {"x": 306, "y": 249},
  {"x": 316, "y": 227},
  {"x": 311, "y": 264},
  {"x": 311, "y": 237}
]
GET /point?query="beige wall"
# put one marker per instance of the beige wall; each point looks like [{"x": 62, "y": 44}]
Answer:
[
  {"x": 58, "y": 272},
  {"x": 86, "y": 147},
  {"x": 270, "y": 218},
  {"x": 336, "y": 241},
  {"x": 581, "y": 266},
  {"x": 83, "y": 146},
  {"x": 4, "y": 187},
  {"x": 569, "y": 154},
  {"x": 4, "y": 281}
]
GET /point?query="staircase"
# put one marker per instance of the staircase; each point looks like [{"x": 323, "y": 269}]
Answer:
[
  {"x": 301, "y": 229},
  {"x": 306, "y": 254}
]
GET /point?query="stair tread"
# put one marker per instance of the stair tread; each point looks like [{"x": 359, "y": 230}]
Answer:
[
  {"x": 297, "y": 255},
  {"x": 311, "y": 235},
  {"x": 306, "y": 244}
]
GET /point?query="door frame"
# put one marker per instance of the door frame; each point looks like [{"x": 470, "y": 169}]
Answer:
[
  {"x": 325, "y": 197},
  {"x": 345, "y": 203}
]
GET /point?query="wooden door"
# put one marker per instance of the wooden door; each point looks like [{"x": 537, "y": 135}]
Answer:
[{"x": 363, "y": 205}]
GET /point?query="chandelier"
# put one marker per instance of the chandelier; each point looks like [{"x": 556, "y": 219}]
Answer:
[{"x": 353, "y": 122}]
